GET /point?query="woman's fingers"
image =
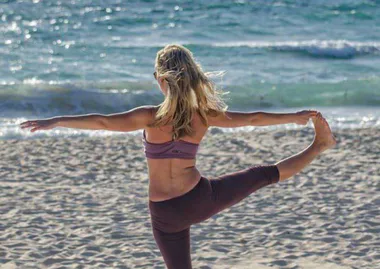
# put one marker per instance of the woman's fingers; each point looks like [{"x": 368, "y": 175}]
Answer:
[
  {"x": 28, "y": 124},
  {"x": 35, "y": 125}
]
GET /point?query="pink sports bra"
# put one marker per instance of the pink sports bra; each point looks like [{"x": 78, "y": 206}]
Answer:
[{"x": 172, "y": 149}]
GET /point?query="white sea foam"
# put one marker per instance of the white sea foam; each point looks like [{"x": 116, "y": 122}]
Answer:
[{"x": 332, "y": 48}]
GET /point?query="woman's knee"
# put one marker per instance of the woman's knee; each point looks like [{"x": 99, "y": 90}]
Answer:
[{"x": 268, "y": 174}]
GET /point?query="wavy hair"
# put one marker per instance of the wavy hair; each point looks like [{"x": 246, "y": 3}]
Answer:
[{"x": 190, "y": 90}]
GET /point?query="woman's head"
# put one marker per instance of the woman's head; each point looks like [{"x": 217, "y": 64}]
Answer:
[
  {"x": 187, "y": 89},
  {"x": 177, "y": 62}
]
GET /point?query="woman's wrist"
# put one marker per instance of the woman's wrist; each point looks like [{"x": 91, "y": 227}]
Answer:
[{"x": 63, "y": 121}]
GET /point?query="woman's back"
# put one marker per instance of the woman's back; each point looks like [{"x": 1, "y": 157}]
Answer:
[{"x": 172, "y": 177}]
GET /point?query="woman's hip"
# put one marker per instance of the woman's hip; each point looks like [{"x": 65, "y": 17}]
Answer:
[{"x": 180, "y": 212}]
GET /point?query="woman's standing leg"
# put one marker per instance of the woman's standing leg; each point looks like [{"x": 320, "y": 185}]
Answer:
[
  {"x": 323, "y": 140},
  {"x": 174, "y": 248}
]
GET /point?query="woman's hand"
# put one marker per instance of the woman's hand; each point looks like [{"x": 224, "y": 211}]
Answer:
[
  {"x": 302, "y": 117},
  {"x": 39, "y": 124}
]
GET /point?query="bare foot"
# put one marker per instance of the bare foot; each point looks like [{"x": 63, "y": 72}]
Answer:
[{"x": 323, "y": 139}]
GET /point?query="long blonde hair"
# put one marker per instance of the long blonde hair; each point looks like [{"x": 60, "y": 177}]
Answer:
[{"x": 189, "y": 90}]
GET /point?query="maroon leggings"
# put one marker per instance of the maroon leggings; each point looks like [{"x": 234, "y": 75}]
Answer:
[{"x": 171, "y": 219}]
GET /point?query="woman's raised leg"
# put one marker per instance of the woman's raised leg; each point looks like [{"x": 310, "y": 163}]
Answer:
[
  {"x": 228, "y": 190},
  {"x": 323, "y": 140}
]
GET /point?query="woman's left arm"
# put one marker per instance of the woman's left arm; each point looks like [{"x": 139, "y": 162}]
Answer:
[{"x": 301, "y": 117}]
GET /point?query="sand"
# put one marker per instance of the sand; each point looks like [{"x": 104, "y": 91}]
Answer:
[{"x": 82, "y": 203}]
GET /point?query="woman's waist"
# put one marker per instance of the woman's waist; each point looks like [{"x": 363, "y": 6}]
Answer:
[
  {"x": 163, "y": 186},
  {"x": 172, "y": 173}
]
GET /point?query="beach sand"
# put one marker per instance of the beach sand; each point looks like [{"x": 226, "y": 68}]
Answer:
[{"x": 83, "y": 203}]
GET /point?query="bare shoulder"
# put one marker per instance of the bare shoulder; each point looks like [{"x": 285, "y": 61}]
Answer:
[
  {"x": 214, "y": 117},
  {"x": 151, "y": 111},
  {"x": 147, "y": 111},
  {"x": 154, "y": 108},
  {"x": 131, "y": 120}
]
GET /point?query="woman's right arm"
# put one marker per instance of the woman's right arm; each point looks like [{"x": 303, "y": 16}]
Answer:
[
  {"x": 131, "y": 120},
  {"x": 89, "y": 122}
]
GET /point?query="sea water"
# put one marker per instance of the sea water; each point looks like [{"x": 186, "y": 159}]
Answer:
[{"x": 79, "y": 57}]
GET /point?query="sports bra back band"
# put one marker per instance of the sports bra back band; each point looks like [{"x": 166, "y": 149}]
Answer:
[{"x": 172, "y": 149}]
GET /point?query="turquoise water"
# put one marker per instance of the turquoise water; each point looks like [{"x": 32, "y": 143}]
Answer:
[{"x": 79, "y": 57}]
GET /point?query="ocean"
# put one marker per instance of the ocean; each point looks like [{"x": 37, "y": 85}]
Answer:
[{"x": 79, "y": 57}]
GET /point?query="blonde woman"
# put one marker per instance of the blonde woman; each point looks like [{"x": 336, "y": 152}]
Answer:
[{"x": 179, "y": 195}]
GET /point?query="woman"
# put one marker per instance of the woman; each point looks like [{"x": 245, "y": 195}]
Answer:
[{"x": 179, "y": 195}]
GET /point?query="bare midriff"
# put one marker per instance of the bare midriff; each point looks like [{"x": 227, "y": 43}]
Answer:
[
  {"x": 169, "y": 178},
  {"x": 173, "y": 177}
]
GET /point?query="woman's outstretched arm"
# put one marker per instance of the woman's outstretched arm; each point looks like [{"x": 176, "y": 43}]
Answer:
[
  {"x": 131, "y": 120},
  {"x": 240, "y": 119},
  {"x": 301, "y": 117}
]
